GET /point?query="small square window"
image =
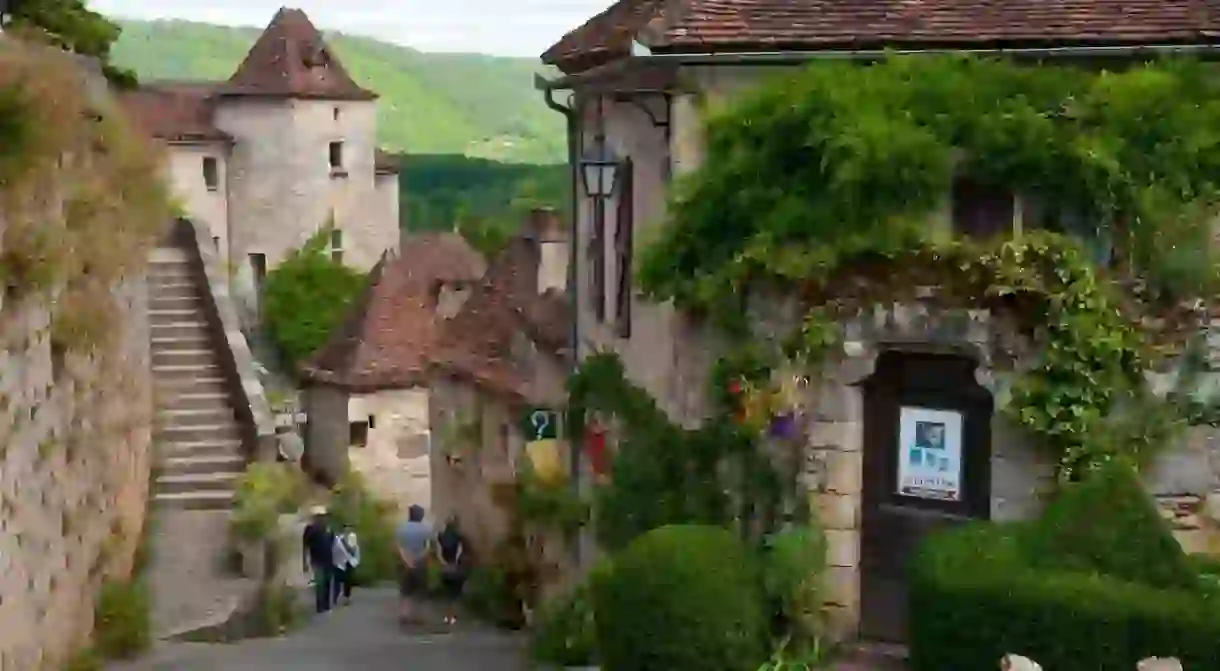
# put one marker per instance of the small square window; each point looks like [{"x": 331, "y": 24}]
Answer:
[
  {"x": 336, "y": 156},
  {"x": 258, "y": 265},
  {"x": 372, "y": 421},
  {"x": 211, "y": 173},
  {"x": 358, "y": 434}
]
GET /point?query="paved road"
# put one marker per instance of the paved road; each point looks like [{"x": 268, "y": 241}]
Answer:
[{"x": 362, "y": 637}]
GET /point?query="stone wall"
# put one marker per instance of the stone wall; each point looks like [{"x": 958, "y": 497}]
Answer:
[
  {"x": 74, "y": 470},
  {"x": 394, "y": 461}
]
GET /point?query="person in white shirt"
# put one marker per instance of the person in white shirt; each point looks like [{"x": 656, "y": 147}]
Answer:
[{"x": 347, "y": 558}]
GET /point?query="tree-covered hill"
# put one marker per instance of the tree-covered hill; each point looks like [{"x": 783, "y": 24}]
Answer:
[{"x": 472, "y": 104}]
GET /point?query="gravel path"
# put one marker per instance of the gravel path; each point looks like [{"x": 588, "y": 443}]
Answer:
[{"x": 362, "y": 636}]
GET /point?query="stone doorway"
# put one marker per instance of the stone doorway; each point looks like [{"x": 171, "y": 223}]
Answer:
[{"x": 927, "y": 452}]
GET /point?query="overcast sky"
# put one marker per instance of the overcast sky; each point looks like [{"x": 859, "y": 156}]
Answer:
[{"x": 501, "y": 27}]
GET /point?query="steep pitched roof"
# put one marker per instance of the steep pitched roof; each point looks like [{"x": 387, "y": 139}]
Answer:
[
  {"x": 175, "y": 111},
  {"x": 478, "y": 341},
  {"x": 702, "y": 26},
  {"x": 291, "y": 59},
  {"x": 390, "y": 335}
]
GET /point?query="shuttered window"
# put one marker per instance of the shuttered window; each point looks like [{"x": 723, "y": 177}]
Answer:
[
  {"x": 596, "y": 255},
  {"x": 625, "y": 228}
]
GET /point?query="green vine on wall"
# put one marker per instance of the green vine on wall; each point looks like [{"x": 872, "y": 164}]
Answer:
[{"x": 827, "y": 186}]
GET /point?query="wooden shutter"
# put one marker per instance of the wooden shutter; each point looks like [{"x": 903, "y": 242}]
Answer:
[
  {"x": 981, "y": 210},
  {"x": 623, "y": 249},
  {"x": 596, "y": 255}
]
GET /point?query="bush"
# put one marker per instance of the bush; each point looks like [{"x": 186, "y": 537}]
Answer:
[
  {"x": 1108, "y": 524},
  {"x": 306, "y": 297},
  {"x": 564, "y": 634},
  {"x": 793, "y": 568},
  {"x": 489, "y": 596},
  {"x": 974, "y": 597},
  {"x": 120, "y": 619},
  {"x": 374, "y": 522},
  {"x": 681, "y": 598},
  {"x": 264, "y": 492}
]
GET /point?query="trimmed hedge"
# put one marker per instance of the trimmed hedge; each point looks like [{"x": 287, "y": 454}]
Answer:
[
  {"x": 681, "y": 598},
  {"x": 974, "y": 597}
]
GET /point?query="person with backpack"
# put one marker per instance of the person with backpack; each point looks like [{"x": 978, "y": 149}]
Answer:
[
  {"x": 347, "y": 558},
  {"x": 318, "y": 544}
]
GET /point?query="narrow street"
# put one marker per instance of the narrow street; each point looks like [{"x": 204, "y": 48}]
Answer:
[{"x": 362, "y": 636}]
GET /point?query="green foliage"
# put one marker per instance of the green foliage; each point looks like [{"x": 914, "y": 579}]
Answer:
[
  {"x": 1108, "y": 524},
  {"x": 826, "y": 185},
  {"x": 374, "y": 522},
  {"x": 664, "y": 474},
  {"x": 306, "y": 298},
  {"x": 681, "y": 598},
  {"x": 441, "y": 191},
  {"x": 264, "y": 492},
  {"x": 430, "y": 103},
  {"x": 489, "y": 596},
  {"x": 277, "y": 610},
  {"x": 977, "y": 599},
  {"x": 564, "y": 632},
  {"x": 72, "y": 26},
  {"x": 793, "y": 568},
  {"x": 550, "y": 505},
  {"x": 121, "y": 619}
]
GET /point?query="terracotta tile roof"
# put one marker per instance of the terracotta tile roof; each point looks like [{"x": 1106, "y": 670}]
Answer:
[
  {"x": 390, "y": 336},
  {"x": 385, "y": 163},
  {"x": 291, "y": 59},
  {"x": 702, "y": 26},
  {"x": 175, "y": 111},
  {"x": 479, "y": 339}
]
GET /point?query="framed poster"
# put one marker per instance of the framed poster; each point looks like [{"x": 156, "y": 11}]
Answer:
[{"x": 930, "y": 453}]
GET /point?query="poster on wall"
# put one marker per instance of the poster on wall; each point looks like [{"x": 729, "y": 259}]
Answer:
[{"x": 930, "y": 453}]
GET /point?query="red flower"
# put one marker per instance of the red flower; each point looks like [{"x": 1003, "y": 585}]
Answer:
[{"x": 735, "y": 387}]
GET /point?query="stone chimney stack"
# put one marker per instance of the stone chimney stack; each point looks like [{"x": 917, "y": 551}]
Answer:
[{"x": 546, "y": 228}]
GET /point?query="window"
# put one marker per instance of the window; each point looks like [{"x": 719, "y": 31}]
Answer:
[
  {"x": 335, "y": 113},
  {"x": 372, "y": 421},
  {"x": 625, "y": 222},
  {"x": 358, "y": 434},
  {"x": 258, "y": 266},
  {"x": 216, "y": 242},
  {"x": 336, "y": 245},
  {"x": 1039, "y": 212},
  {"x": 981, "y": 210},
  {"x": 211, "y": 173},
  {"x": 336, "y": 158},
  {"x": 596, "y": 255}
]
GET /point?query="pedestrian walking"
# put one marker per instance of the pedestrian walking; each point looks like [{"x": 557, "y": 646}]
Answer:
[
  {"x": 451, "y": 551},
  {"x": 347, "y": 558},
  {"x": 318, "y": 545},
  {"x": 414, "y": 538}
]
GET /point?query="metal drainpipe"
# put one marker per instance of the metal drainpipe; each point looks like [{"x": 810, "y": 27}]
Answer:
[{"x": 573, "y": 129}]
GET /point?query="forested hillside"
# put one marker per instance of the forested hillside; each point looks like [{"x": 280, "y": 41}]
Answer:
[{"x": 471, "y": 104}]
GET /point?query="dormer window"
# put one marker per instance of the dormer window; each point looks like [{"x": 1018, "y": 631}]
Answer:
[{"x": 317, "y": 57}]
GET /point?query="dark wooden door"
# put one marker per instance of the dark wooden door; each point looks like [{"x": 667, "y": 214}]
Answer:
[{"x": 927, "y": 450}]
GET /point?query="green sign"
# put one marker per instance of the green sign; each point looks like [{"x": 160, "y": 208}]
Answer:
[{"x": 540, "y": 424}]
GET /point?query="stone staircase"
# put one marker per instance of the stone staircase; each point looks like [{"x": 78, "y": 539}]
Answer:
[{"x": 198, "y": 434}]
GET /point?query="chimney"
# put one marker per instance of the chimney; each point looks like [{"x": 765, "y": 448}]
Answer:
[{"x": 546, "y": 229}]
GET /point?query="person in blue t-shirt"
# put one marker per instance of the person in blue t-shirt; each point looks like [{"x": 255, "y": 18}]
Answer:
[{"x": 414, "y": 539}]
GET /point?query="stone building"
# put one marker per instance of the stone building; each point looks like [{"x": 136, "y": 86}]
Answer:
[
  {"x": 366, "y": 390},
  {"x": 504, "y": 357},
  {"x": 284, "y": 147},
  {"x": 641, "y": 75}
]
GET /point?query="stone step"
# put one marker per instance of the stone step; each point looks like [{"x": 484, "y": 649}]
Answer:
[
  {"x": 174, "y": 287},
  {"x": 159, "y": 302},
  {"x": 209, "y": 500},
  {"x": 208, "y": 463},
  {"x": 194, "y": 328},
  {"x": 191, "y": 372},
  {"x": 169, "y": 252},
  {"x": 198, "y": 433},
  {"x": 184, "y": 417},
  {"x": 195, "y": 482},
  {"x": 160, "y": 274},
  {"x": 171, "y": 316},
  {"x": 195, "y": 341},
  {"x": 169, "y": 388},
  {"x": 214, "y": 447},
  {"x": 214, "y": 400},
  {"x": 183, "y": 357}
]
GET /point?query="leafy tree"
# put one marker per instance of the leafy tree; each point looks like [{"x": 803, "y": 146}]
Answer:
[
  {"x": 306, "y": 297},
  {"x": 71, "y": 25}
]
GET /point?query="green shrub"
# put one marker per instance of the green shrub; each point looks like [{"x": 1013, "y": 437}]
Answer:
[
  {"x": 121, "y": 619},
  {"x": 974, "y": 597},
  {"x": 681, "y": 598},
  {"x": 489, "y": 596},
  {"x": 276, "y": 611},
  {"x": 1108, "y": 524},
  {"x": 84, "y": 660},
  {"x": 564, "y": 633},
  {"x": 264, "y": 492},
  {"x": 374, "y": 522},
  {"x": 792, "y": 571}
]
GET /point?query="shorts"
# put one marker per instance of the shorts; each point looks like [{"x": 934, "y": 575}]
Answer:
[
  {"x": 413, "y": 581},
  {"x": 452, "y": 581}
]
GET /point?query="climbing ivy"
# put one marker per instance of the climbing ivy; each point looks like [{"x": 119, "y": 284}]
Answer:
[{"x": 827, "y": 185}]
